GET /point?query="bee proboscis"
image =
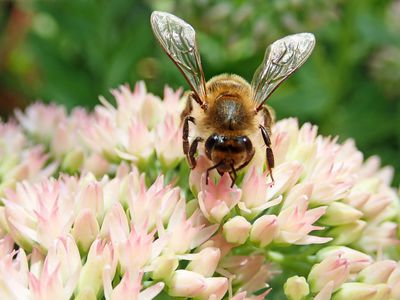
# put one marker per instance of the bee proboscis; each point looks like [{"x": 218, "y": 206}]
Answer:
[{"x": 227, "y": 110}]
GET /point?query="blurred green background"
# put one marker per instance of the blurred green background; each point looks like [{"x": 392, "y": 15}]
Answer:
[{"x": 72, "y": 51}]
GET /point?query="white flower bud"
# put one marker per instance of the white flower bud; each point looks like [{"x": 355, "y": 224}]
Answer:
[
  {"x": 339, "y": 213},
  {"x": 237, "y": 230},
  {"x": 296, "y": 288}
]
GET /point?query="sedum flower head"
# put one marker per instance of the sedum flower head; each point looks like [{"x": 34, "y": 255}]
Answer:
[{"x": 103, "y": 204}]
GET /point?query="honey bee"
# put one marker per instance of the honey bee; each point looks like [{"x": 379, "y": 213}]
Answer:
[{"x": 227, "y": 110}]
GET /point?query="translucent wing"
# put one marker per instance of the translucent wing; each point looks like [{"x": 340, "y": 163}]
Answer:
[
  {"x": 179, "y": 41},
  {"x": 281, "y": 59}
]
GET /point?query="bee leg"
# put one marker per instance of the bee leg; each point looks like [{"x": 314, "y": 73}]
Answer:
[
  {"x": 233, "y": 175},
  {"x": 185, "y": 135},
  {"x": 192, "y": 151},
  {"x": 188, "y": 109},
  {"x": 212, "y": 168},
  {"x": 268, "y": 116},
  {"x": 269, "y": 153}
]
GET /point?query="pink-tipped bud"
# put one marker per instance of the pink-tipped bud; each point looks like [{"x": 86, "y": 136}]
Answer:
[
  {"x": 216, "y": 288},
  {"x": 205, "y": 262},
  {"x": 339, "y": 213},
  {"x": 333, "y": 268},
  {"x": 378, "y": 272},
  {"x": 85, "y": 229},
  {"x": 187, "y": 284},
  {"x": 264, "y": 230},
  {"x": 100, "y": 256},
  {"x": 358, "y": 260},
  {"x": 347, "y": 234},
  {"x": 394, "y": 283},
  {"x": 362, "y": 291},
  {"x": 216, "y": 200}
]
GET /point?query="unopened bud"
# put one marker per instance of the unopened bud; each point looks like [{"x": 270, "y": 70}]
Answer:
[
  {"x": 296, "y": 288},
  {"x": 378, "y": 272},
  {"x": 358, "y": 260},
  {"x": 339, "y": 213},
  {"x": 264, "y": 230},
  {"x": 72, "y": 161},
  {"x": 333, "y": 268},
  {"x": 394, "y": 283},
  {"x": 206, "y": 261},
  {"x": 361, "y": 291},
  {"x": 347, "y": 234},
  {"x": 85, "y": 229},
  {"x": 164, "y": 267},
  {"x": 186, "y": 284},
  {"x": 216, "y": 288},
  {"x": 236, "y": 230}
]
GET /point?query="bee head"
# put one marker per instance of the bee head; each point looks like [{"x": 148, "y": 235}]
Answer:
[{"x": 228, "y": 151}]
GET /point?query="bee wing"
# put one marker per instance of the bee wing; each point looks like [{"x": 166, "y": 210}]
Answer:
[
  {"x": 281, "y": 59},
  {"x": 178, "y": 39}
]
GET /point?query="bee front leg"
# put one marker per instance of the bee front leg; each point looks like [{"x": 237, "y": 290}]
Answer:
[
  {"x": 185, "y": 135},
  {"x": 192, "y": 152},
  {"x": 269, "y": 153},
  {"x": 233, "y": 175}
]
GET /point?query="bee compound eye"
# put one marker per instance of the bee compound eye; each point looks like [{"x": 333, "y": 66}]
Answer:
[{"x": 246, "y": 142}]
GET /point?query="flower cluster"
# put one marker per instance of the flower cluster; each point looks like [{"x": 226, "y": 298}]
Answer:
[{"x": 102, "y": 204}]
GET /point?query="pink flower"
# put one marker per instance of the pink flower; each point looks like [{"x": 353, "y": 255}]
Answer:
[
  {"x": 100, "y": 257},
  {"x": 173, "y": 103},
  {"x": 6, "y": 245},
  {"x": 85, "y": 229},
  {"x": 39, "y": 213},
  {"x": 264, "y": 230},
  {"x": 334, "y": 269},
  {"x": 216, "y": 288},
  {"x": 101, "y": 136},
  {"x": 60, "y": 273},
  {"x": 41, "y": 120},
  {"x": 296, "y": 222},
  {"x": 250, "y": 272},
  {"x": 394, "y": 282},
  {"x": 187, "y": 284},
  {"x": 378, "y": 236},
  {"x": 12, "y": 139},
  {"x": 129, "y": 287},
  {"x": 136, "y": 250},
  {"x": 357, "y": 260},
  {"x": 29, "y": 164},
  {"x": 205, "y": 262},
  {"x": 362, "y": 291},
  {"x": 326, "y": 292},
  {"x": 196, "y": 175},
  {"x": 14, "y": 276},
  {"x": 168, "y": 147},
  {"x": 182, "y": 233},
  {"x": 255, "y": 195},
  {"x": 216, "y": 200},
  {"x": 378, "y": 272},
  {"x": 137, "y": 142},
  {"x": 152, "y": 205}
]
